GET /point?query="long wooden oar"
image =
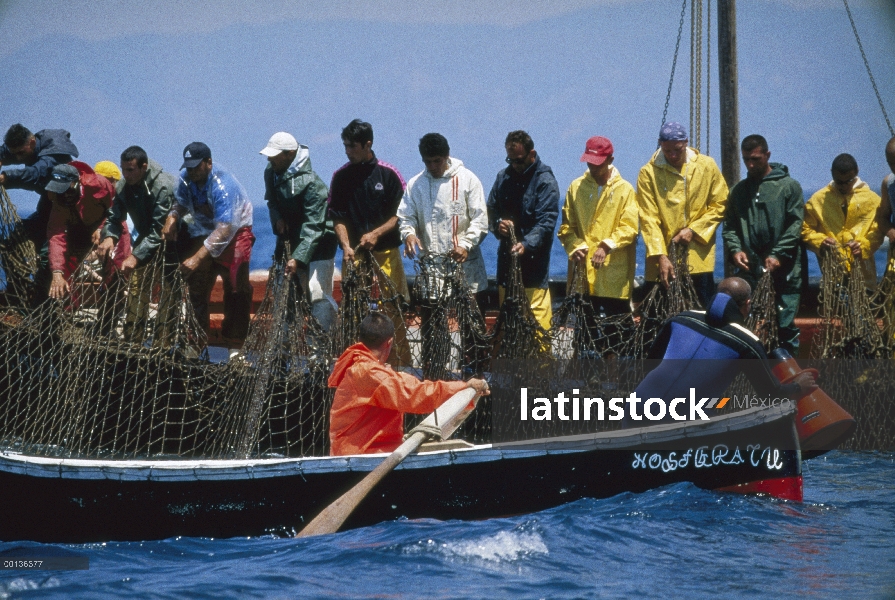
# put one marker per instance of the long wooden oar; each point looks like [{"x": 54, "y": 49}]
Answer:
[{"x": 441, "y": 423}]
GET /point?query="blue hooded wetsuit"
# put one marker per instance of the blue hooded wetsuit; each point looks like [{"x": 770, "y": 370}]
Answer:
[{"x": 702, "y": 350}]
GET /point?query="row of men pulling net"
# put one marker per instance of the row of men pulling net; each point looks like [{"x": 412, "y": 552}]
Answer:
[{"x": 85, "y": 380}]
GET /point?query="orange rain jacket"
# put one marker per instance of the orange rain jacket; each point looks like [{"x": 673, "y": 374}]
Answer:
[{"x": 367, "y": 414}]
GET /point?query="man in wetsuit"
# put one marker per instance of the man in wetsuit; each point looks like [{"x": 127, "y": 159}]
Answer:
[{"x": 702, "y": 350}]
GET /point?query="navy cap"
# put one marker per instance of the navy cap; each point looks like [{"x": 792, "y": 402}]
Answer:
[
  {"x": 63, "y": 175},
  {"x": 195, "y": 153}
]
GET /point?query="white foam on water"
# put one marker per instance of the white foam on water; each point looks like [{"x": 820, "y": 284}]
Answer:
[
  {"x": 21, "y": 585},
  {"x": 505, "y": 546}
]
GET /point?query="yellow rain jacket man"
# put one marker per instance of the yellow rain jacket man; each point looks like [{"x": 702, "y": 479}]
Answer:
[
  {"x": 845, "y": 212},
  {"x": 693, "y": 196},
  {"x": 591, "y": 216}
]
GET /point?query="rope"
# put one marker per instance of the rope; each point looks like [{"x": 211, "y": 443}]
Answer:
[
  {"x": 696, "y": 74},
  {"x": 867, "y": 66}
]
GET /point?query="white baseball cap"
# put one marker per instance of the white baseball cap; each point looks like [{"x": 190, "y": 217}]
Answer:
[{"x": 279, "y": 142}]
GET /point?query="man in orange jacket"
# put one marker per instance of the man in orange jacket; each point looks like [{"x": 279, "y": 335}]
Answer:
[{"x": 367, "y": 414}]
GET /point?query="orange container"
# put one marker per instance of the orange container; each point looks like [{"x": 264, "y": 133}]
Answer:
[{"x": 820, "y": 422}]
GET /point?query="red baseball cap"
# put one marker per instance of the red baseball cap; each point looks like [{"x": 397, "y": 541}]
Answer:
[{"x": 597, "y": 150}]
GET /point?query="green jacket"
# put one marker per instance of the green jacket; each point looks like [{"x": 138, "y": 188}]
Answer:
[
  {"x": 148, "y": 204},
  {"x": 299, "y": 198},
  {"x": 765, "y": 219}
]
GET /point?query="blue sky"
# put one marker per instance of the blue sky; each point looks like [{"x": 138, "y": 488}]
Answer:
[{"x": 162, "y": 74}]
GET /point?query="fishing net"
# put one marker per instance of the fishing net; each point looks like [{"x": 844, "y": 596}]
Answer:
[
  {"x": 883, "y": 300},
  {"x": 660, "y": 304},
  {"x": 849, "y": 312},
  {"x": 856, "y": 325},
  {"x": 366, "y": 287},
  {"x": 449, "y": 335},
  {"x": 517, "y": 333},
  {"x": 88, "y": 377},
  {"x": 277, "y": 401},
  {"x": 762, "y": 321},
  {"x": 593, "y": 353},
  {"x": 120, "y": 370},
  {"x": 18, "y": 258}
]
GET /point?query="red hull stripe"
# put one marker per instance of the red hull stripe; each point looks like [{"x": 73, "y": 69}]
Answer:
[{"x": 785, "y": 488}]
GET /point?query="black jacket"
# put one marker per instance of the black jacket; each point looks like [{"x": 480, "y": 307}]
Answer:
[{"x": 531, "y": 201}]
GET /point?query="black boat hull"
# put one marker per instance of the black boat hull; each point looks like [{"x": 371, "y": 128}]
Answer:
[{"x": 76, "y": 501}]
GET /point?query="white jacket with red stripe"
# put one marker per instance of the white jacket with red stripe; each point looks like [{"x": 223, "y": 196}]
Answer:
[{"x": 445, "y": 212}]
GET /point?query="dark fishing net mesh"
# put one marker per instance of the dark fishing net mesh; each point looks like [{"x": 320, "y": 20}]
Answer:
[
  {"x": 120, "y": 370},
  {"x": 851, "y": 350},
  {"x": 851, "y": 324},
  {"x": 449, "y": 337},
  {"x": 277, "y": 401},
  {"x": 18, "y": 257},
  {"x": 517, "y": 333},
  {"x": 87, "y": 377},
  {"x": 366, "y": 287},
  {"x": 856, "y": 325},
  {"x": 762, "y": 321}
]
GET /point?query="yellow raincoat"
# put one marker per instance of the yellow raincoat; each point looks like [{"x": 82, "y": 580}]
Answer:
[
  {"x": 670, "y": 200},
  {"x": 610, "y": 217},
  {"x": 825, "y": 218}
]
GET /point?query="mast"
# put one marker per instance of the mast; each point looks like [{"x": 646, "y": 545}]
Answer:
[{"x": 728, "y": 90}]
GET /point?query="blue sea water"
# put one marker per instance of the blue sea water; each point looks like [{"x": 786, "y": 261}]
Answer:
[{"x": 673, "y": 542}]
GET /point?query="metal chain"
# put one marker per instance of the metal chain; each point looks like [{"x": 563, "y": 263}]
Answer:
[
  {"x": 867, "y": 66},
  {"x": 677, "y": 47},
  {"x": 708, "y": 81}
]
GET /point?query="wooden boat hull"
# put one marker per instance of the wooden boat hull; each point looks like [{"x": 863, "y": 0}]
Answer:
[{"x": 76, "y": 501}]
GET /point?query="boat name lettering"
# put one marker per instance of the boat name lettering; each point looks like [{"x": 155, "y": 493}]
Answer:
[
  {"x": 703, "y": 458},
  {"x": 770, "y": 456}
]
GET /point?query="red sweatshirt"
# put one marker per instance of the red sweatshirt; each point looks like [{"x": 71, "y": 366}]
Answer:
[{"x": 85, "y": 216}]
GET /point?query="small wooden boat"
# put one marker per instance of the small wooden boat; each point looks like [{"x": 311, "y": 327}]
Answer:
[{"x": 79, "y": 500}]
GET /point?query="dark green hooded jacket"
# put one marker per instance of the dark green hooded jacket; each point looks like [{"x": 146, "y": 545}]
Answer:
[
  {"x": 765, "y": 219},
  {"x": 148, "y": 204},
  {"x": 298, "y": 196}
]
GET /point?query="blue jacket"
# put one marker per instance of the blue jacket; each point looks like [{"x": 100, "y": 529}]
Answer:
[
  {"x": 535, "y": 220},
  {"x": 54, "y": 147},
  {"x": 215, "y": 211}
]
